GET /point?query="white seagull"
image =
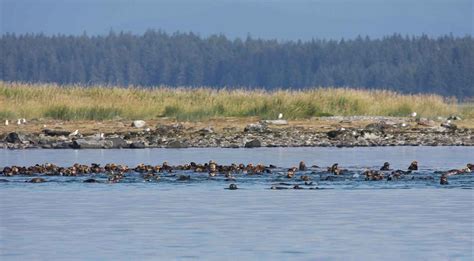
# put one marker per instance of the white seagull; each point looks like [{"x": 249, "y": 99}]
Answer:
[
  {"x": 413, "y": 114},
  {"x": 280, "y": 116},
  {"x": 74, "y": 133},
  {"x": 6, "y": 123}
]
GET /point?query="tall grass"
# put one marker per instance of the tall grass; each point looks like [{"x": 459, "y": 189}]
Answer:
[{"x": 102, "y": 103}]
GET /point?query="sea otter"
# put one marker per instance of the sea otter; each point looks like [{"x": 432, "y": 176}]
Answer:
[
  {"x": 334, "y": 169},
  {"x": 37, "y": 180},
  {"x": 302, "y": 166},
  {"x": 91, "y": 181},
  {"x": 233, "y": 186},
  {"x": 443, "y": 180},
  {"x": 386, "y": 166},
  {"x": 413, "y": 165}
]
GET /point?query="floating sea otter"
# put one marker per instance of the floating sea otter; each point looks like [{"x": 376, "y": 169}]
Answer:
[
  {"x": 233, "y": 187},
  {"x": 468, "y": 169},
  {"x": 413, "y": 165},
  {"x": 373, "y": 175},
  {"x": 386, "y": 166},
  {"x": 334, "y": 169},
  {"x": 443, "y": 180},
  {"x": 37, "y": 180},
  {"x": 302, "y": 166}
]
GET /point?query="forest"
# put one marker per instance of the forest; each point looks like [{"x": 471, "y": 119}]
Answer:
[{"x": 407, "y": 64}]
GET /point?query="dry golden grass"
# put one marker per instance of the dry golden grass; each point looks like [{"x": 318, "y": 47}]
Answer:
[{"x": 49, "y": 101}]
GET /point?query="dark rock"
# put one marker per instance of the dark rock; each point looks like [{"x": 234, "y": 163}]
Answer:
[
  {"x": 177, "y": 145},
  {"x": 334, "y": 133},
  {"x": 14, "y": 137},
  {"x": 50, "y": 132},
  {"x": 137, "y": 145},
  {"x": 91, "y": 144},
  {"x": 118, "y": 143},
  {"x": 253, "y": 144},
  {"x": 58, "y": 145}
]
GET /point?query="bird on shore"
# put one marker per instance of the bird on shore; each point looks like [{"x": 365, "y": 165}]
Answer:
[
  {"x": 413, "y": 114},
  {"x": 74, "y": 133},
  {"x": 6, "y": 122},
  {"x": 18, "y": 122},
  {"x": 280, "y": 116}
]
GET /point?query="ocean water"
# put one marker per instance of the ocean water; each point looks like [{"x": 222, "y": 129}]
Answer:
[{"x": 348, "y": 219}]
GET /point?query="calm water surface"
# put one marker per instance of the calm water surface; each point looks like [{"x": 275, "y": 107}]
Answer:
[{"x": 352, "y": 219}]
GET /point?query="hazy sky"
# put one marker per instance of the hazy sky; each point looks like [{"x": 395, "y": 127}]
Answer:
[{"x": 283, "y": 19}]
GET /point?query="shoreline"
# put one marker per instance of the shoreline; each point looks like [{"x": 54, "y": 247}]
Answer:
[{"x": 354, "y": 131}]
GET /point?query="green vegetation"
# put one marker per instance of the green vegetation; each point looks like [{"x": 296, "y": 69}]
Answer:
[
  {"x": 104, "y": 103},
  {"x": 418, "y": 64}
]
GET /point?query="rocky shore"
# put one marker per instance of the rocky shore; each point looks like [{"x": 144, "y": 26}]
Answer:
[{"x": 380, "y": 131}]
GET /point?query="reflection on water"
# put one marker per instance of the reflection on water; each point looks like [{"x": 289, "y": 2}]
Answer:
[{"x": 201, "y": 220}]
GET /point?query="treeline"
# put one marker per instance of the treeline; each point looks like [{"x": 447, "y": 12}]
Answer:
[{"x": 443, "y": 65}]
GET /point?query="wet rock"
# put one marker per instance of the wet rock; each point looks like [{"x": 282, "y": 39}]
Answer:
[
  {"x": 138, "y": 124},
  {"x": 255, "y": 143},
  {"x": 91, "y": 144}
]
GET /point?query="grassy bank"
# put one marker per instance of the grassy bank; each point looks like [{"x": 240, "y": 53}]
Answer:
[{"x": 105, "y": 103}]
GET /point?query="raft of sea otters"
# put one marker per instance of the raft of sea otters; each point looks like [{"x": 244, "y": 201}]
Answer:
[{"x": 114, "y": 173}]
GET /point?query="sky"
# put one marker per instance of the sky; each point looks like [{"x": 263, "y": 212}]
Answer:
[{"x": 277, "y": 19}]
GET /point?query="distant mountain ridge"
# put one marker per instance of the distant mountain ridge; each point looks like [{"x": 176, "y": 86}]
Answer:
[{"x": 443, "y": 65}]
